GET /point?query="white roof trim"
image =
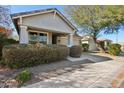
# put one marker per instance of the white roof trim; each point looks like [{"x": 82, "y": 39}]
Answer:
[{"x": 27, "y": 15}]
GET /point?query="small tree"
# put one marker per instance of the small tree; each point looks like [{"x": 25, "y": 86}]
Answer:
[
  {"x": 6, "y": 24},
  {"x": 6, "y": 28},
  {"x": 2, "y": 41},
  {"x": 93, "y": 20}
]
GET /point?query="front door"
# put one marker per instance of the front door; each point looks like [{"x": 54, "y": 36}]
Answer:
[{"x": 54, "y": 39}]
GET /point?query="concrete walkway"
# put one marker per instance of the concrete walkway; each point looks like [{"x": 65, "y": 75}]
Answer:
[
  {"x": 94, "y": 75},
  {"x": 90, "y": 56}
]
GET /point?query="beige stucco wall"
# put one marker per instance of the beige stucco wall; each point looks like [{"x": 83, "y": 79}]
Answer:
[
  {"x": 62, "y": 40},
  {"x": 48, "y": 21},
  {"x": 76, "y": 40}
]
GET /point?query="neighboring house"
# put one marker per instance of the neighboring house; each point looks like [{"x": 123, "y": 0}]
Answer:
[
  {"x": 45, "y": 26},
  {"x": 105, "y": 42},
  {"x": 122, "y": 46},
  {"x": 92, "y": 46},
  {"x": 88, "y": 40}
]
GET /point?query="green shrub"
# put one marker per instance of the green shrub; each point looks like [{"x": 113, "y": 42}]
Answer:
[
  {"x": 75, "y": 51},
  {"x": 23, "y": 77},
  {"x": 114, "y": 49},
  {"x": 2, "y": 62},
  {"x": 17, "y": 56},
  {"x": 85, "y": 47}
]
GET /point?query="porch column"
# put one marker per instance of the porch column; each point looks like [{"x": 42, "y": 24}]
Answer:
[
  {"x": 49, "y": 38},
  {"x": 70, "y": 40},
  {"x": 23, "y": 35}
]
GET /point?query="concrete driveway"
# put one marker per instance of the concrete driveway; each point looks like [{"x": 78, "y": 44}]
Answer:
[{"x": 88, "y": 75}]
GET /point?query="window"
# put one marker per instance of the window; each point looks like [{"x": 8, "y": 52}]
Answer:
[
  {"x": 43, "y": 38},
  {"x": 37, "y": 37},
  {"x": 33, "y": 37}
]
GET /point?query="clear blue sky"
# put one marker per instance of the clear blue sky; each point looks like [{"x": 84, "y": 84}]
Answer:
[{"x": 22, "y": 8}]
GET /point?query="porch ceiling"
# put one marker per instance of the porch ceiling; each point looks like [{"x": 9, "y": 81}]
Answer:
[{"x": 46, "y": 30}]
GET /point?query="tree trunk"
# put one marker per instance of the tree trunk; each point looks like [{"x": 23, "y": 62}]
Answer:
[{"x": 99, "y": 46}]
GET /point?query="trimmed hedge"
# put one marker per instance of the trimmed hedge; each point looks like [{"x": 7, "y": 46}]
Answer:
[
  {"x": 85, "y": 47},
  {"x": 17, "y": 56},
  {"x": 114, "y": 49},
  {"x": 75, "y": 51}
]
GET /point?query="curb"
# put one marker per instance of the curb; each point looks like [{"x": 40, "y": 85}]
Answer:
[{"x": 116, "y": 83}]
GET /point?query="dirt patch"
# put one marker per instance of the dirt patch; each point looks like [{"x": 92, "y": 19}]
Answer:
[
  {"x": 117, "y": 82},
  {"x": 3, "y": 69},
  {"x": 7, "y": 76}
]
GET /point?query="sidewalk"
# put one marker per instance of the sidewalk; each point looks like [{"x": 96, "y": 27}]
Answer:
[{"x": 95, "y": 75}]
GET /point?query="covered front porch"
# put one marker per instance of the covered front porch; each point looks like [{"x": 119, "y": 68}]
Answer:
[{"x": 44, "y": 36}]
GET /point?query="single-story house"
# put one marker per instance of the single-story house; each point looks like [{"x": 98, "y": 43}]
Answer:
[
  {"x": 122, "y": 46},
  {"x": 105, "y": 42},
  {"x": 92, "y": 46},
  {"x": 88, "y": 40},
  {"x": 48, "y": 26}
]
